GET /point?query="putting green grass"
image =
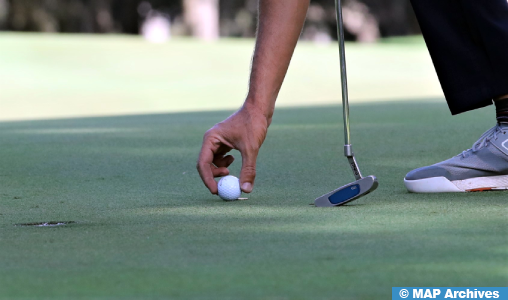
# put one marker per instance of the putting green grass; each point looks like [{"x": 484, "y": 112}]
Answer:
[{"x": 148, "y": 229}]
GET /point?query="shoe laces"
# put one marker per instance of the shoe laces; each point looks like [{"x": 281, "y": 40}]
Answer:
[{"x": 485, "y": 138}]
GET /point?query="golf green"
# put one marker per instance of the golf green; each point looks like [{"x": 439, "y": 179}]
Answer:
[{"x": 147, "y": 228}]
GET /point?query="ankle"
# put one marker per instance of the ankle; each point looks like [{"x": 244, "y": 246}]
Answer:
[
  {"x": 502, "y": 110},
  {"x": 501, "y": 98}
]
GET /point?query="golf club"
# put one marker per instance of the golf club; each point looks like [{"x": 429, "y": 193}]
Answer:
[{"x": 363, "y": 185}]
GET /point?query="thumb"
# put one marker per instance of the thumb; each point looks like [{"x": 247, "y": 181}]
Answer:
[{"x": 248, "y": 173}]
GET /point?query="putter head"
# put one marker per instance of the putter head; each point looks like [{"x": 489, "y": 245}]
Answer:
[{"x": 348, "y": 192}]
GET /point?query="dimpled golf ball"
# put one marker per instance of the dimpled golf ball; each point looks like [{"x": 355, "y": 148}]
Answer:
[{"x": 229, "y": 188}]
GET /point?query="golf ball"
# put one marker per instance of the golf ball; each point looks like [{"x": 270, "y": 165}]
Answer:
[{"x": 229, "y": 188}]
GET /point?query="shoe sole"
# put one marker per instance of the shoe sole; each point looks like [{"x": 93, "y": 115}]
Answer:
[{"x": 443, "y": 185}]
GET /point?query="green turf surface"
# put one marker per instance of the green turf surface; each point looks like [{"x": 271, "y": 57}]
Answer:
[
  {"x": 147, "y": 228},
  {"x": 55, "y": 76}
]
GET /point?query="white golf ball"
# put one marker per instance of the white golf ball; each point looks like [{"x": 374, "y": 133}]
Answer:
[{"x": 229, "y": 188}]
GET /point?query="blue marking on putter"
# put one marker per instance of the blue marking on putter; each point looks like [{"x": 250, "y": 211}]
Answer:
[
  {"x": 348, "y": 193},
  {"x": 344, "y": 194}
]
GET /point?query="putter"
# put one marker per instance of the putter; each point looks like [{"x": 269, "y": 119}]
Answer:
[{"x": 363, "y": 185}]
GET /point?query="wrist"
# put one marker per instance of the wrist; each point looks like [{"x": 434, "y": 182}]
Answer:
[{"x": 265, "y": 108}]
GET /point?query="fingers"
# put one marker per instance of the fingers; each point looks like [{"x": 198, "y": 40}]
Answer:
[
  {"x": 220, "y": 172},
  {"x": 248, "y": 173},
  {"x": 223, "y": 161},
  {"x": 205, "y": 165}
]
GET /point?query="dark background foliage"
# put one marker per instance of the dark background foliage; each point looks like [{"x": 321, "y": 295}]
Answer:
[{"x": 394, "y": 17}]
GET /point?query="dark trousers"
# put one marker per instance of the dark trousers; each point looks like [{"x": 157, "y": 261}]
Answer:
[{"x": 468, "y": 43}]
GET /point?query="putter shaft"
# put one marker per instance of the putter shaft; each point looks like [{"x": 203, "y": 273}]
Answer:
[
  {"x": 348, "y": 150},
  {"x": 343, "y": 73}
]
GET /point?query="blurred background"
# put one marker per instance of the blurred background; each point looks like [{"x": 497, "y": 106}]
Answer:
[
  {"x": 366, "y": 20},
  {"x": 74, "y": 58}
]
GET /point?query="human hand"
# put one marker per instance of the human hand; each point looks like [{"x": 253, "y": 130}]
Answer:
[{"x": 244, "y": 131}]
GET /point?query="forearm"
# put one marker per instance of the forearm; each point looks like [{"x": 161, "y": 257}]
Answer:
[{"x": 280, "y": 24}]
